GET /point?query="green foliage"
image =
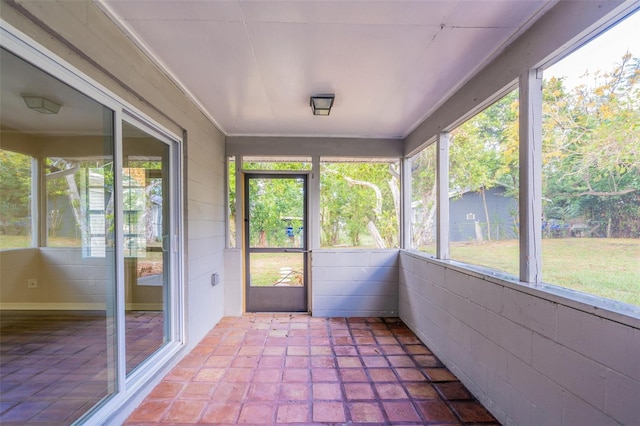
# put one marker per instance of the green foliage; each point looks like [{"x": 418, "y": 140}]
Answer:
[
  {"x": 484, "y": 150},
  {"x": 591, "y": 150},
  {"x": 15, "y": 192},
  {"x": 354, "y": 195},
  {"x": 274, "y": 204},
  {"x": 423, "y": 197}
]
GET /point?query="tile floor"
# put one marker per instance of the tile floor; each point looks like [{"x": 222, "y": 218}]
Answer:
[
  {"x": 54, "y": 364},
  {"x": 288, "y": 368}
]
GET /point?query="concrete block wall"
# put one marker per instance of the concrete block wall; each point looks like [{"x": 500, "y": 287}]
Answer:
[
  {"x": 354, "y": 283},
  {"x": 529, "y": 357},
  {"x": 71, "y": 281},
  {"x": 16, "y": 267}
]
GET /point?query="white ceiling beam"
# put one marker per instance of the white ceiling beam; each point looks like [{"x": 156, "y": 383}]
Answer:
[{"x": 309, "y": 146}]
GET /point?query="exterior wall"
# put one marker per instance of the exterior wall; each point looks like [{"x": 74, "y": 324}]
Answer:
[
  {"x": 98, "y": 50},
  {"x": 503, "y": 214},
  {"x": 354, "y": 283},
  {"x": 82, "y": 35},
  {"x": 530, "y": 358}
]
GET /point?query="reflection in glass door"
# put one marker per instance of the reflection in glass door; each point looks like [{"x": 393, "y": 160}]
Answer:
[
  {"x": 276, "y": 242},
  {"x": 147, "y": 246},
  {"x": 58, "y": 344}
]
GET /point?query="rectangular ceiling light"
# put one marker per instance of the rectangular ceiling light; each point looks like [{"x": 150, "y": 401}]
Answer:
[{"x": 321, "y": 104}]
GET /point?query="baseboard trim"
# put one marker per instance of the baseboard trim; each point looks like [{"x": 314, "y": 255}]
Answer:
[
  {"x": 52, "y": 306},
  {"x": 76, "y": 306}
]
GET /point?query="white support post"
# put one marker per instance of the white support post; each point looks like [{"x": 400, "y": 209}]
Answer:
[
  {"x": 531, "y": 177},
  {"x": 406, "y": 228},
  {"x": 38, "y": 204},
  {"x": 443, "y": 196}
]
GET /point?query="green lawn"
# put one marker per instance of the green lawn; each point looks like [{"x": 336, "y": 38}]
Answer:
[
  {"x": 604, "y": 267},
  {"x": 8, "y": 242},
  {"x": 265, "y": 268}
]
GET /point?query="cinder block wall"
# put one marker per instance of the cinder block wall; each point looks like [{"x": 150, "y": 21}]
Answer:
[
  {"x": 354, "y": 283},
  {"x": 16, "y": 267},
  {"x": 530, "y": 358}
]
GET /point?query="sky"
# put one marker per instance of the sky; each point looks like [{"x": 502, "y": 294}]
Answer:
[{"x": 601, "y": 53}]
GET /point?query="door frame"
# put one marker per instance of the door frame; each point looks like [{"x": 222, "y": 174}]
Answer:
[{"x": 276, "y": 299}]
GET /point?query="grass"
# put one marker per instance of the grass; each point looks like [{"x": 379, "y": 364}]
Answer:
[
  {"x": 8, "y": 242},
  {"x": 606, "y": 267},
  {"x": 265, "y": 268}
]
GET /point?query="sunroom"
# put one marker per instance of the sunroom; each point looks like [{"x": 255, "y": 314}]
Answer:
[{"x": 165, "y": 165}]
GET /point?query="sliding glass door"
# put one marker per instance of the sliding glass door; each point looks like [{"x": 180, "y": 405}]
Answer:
[
  {"x": 89, "y": 237},
  {"x": 148, "y": 246}
]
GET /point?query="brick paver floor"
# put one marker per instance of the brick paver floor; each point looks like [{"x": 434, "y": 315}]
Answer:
[{"x": 296, "y": 369}]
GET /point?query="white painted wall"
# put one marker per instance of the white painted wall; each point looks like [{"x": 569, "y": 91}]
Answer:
[
  {"x": 16, "y": 267},
  {"x": 234, "y": 284},
  {"x": 83, "y": 35},
  {"x": 65, "y": 279},
  {"x": 354, "y": 283},
  {"x": 530, "y": 358}
]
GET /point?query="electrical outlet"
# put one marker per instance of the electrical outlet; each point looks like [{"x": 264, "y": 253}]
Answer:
[
  {"x": 215, "y": 279},
  {"x": 32, "y": 283}
]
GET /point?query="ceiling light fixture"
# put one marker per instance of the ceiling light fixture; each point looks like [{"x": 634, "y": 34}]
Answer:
[
  {"x": 40, "y": 104},
  {"x": 321, "y": 104}
]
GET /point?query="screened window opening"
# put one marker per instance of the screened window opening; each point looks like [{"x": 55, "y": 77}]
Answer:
[
  {"x": 483, "y": 188},
  {"x": 591, "y": 168},
  {"x": 15, "y": 200},
  {"x": 424, "y": 200},
  {"x": 359, "y": 203},
  {"x": 276, "y": 163},
  {"x": 231, "y": 202}
]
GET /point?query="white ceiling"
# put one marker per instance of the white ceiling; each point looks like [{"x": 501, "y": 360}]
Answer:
[
  {"x": 78, "y": 115},
  {"x": 252, "y": 65}
]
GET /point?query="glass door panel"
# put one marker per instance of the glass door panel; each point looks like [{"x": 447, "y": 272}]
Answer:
[
  {"x": 147, "y": 246},
  {"x": 58, "y": 340}
]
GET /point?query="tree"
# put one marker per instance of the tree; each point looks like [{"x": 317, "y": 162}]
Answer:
[
  {"x": 15, "y": 191},
  {"x": 423, "y": 197},
  {"x": 358, "y": 199},
  {"x": 484, "y": 151},
  {"x": 592, "y": 150}
]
